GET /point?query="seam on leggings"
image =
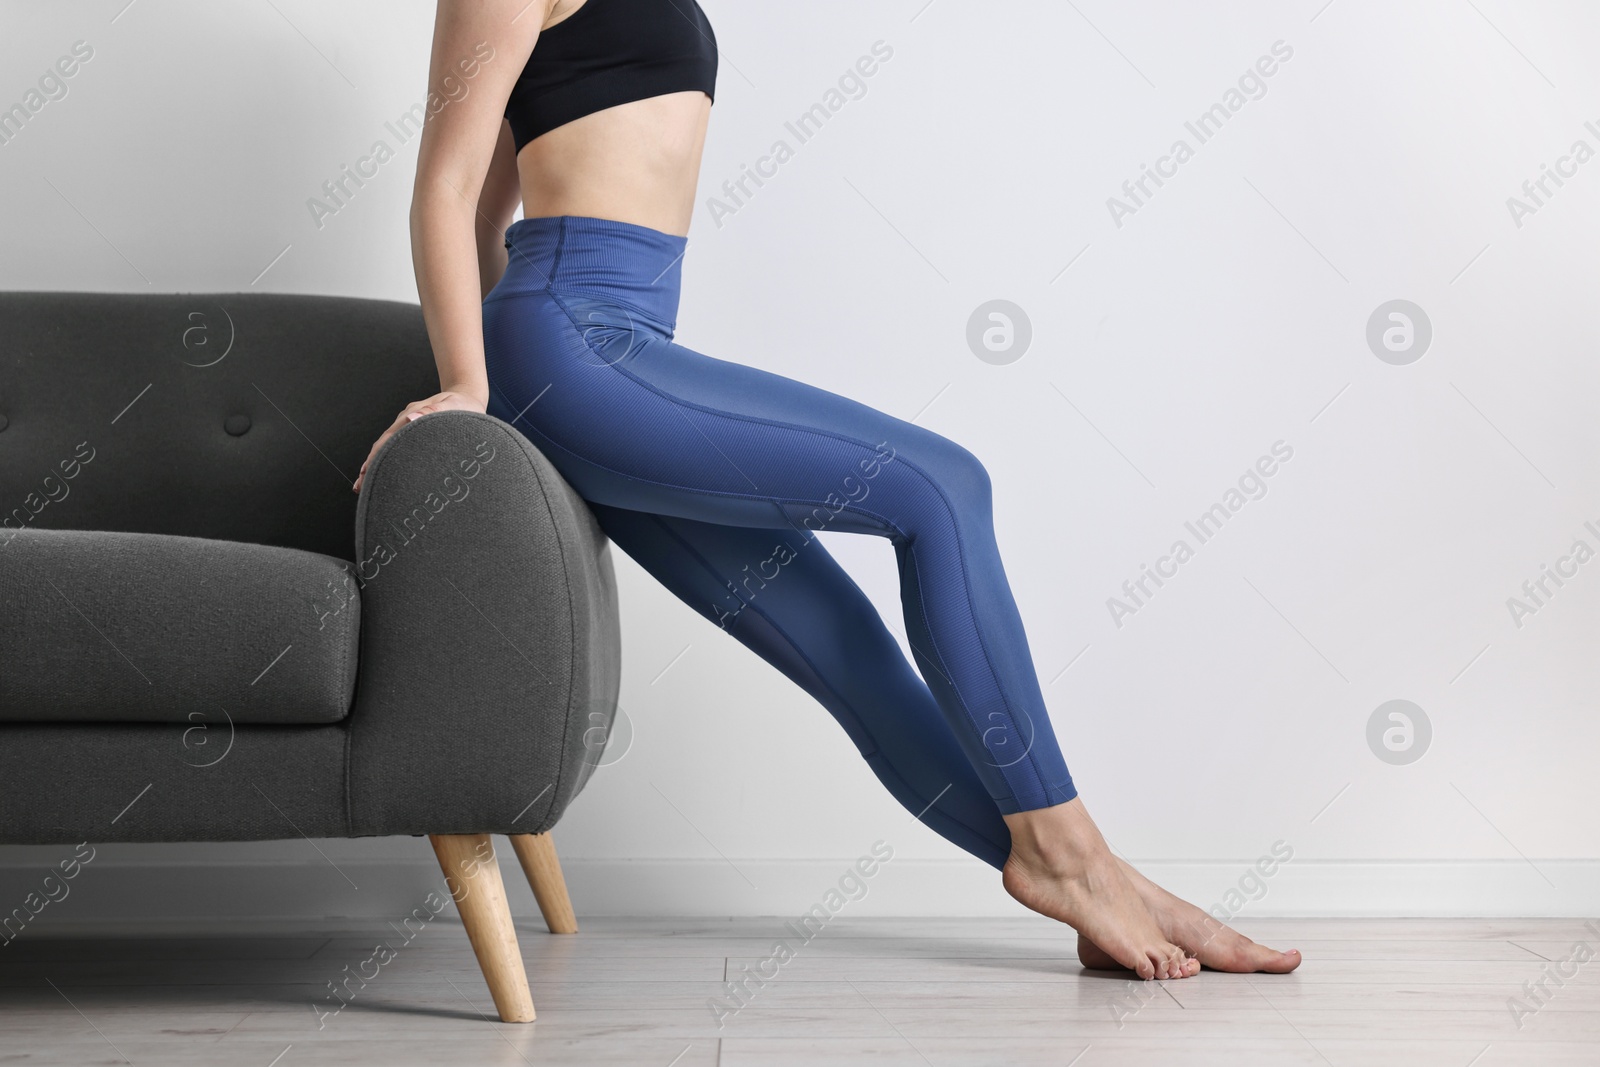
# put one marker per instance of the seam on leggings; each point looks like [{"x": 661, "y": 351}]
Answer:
[
  {"x": 1038, "y": 774},
  {"x": 798, "y": 651},
  {"x": 552, "y": 445},
  {"x": 555, "y": 260},
  {"x": 933, "y": 639},
  {"x": 966, "y": 577},
  {"x": 553, "y": 290},
  {"x": 698, "y": 556}
]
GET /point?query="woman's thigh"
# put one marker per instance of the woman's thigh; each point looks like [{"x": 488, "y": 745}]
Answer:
[{"x": 637, "y": 421}]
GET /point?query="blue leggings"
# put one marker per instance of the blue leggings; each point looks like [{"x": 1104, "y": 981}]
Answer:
[{"x": 716, "y": 477}]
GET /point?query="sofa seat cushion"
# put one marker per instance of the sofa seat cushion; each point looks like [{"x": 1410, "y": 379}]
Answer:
[{"x": 97, "y": 626}]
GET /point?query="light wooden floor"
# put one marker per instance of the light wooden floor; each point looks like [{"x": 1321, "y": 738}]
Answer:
[{"x": 865, "y": 991}]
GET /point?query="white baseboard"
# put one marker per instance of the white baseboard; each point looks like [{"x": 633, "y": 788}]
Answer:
[{"x": 113, "y": 894}]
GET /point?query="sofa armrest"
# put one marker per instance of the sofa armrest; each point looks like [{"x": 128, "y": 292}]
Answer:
[{"x": 490, "y": 644}]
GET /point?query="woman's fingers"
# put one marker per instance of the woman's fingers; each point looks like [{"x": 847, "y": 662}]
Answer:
[
  {"x": 412, "y": 412},
  {"x": 376, "y": 445}
]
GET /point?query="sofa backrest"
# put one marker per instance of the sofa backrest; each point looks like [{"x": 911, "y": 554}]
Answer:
[{"x": 241, "y": 416}]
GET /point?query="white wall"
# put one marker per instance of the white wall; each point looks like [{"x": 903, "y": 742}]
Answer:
[{"x": 1227, "y": 313}]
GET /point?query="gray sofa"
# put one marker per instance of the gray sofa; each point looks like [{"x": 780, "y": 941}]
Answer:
[{"x": 206, "y": 636}]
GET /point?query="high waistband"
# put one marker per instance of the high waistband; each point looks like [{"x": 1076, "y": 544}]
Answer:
[{"x": 602, "y": 260}]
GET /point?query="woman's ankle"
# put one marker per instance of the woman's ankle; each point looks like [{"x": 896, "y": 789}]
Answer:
[{"x": 1059, "y": 838}]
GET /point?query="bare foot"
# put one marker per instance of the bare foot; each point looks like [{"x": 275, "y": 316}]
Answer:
[
  {"x": 1060, "y": 867},
  {"x": 1217, "y": 946}
]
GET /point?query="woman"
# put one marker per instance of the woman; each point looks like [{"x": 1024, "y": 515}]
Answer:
[{"x": 715, "y": 476}]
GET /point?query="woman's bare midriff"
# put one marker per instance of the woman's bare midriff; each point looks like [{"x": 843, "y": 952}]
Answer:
[{"x": 637, "y": 162}]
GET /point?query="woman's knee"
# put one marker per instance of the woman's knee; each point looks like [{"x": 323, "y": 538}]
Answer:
[
  {"x": 959, "y": 474},
  {"x": 966, "y": 475}
]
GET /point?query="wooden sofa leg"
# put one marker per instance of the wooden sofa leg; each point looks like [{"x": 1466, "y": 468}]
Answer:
[
  {"x": 538, "y": 855},
  {"x": 473, "y": 875}
]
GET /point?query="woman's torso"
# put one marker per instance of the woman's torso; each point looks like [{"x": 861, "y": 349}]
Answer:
[{"x": 637, "y": 161}]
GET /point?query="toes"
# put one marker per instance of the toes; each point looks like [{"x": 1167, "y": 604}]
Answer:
[
  {"x": 1279, "y": 962},
  {"x": 1244, "y": 956},
  {"x": 1177, "y": 963}
]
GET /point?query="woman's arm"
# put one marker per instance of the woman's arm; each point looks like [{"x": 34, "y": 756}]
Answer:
[
  {"x": 502, "y": 192},
  {"x": 457, "y": 144},
  {"x": 479, "y": 49}
]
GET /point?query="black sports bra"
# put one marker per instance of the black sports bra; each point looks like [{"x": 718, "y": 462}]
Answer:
[{"x": 611, "y": 52}]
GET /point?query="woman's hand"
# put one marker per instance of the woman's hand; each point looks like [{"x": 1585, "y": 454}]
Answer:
[{"x": 448, "y": 400}]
